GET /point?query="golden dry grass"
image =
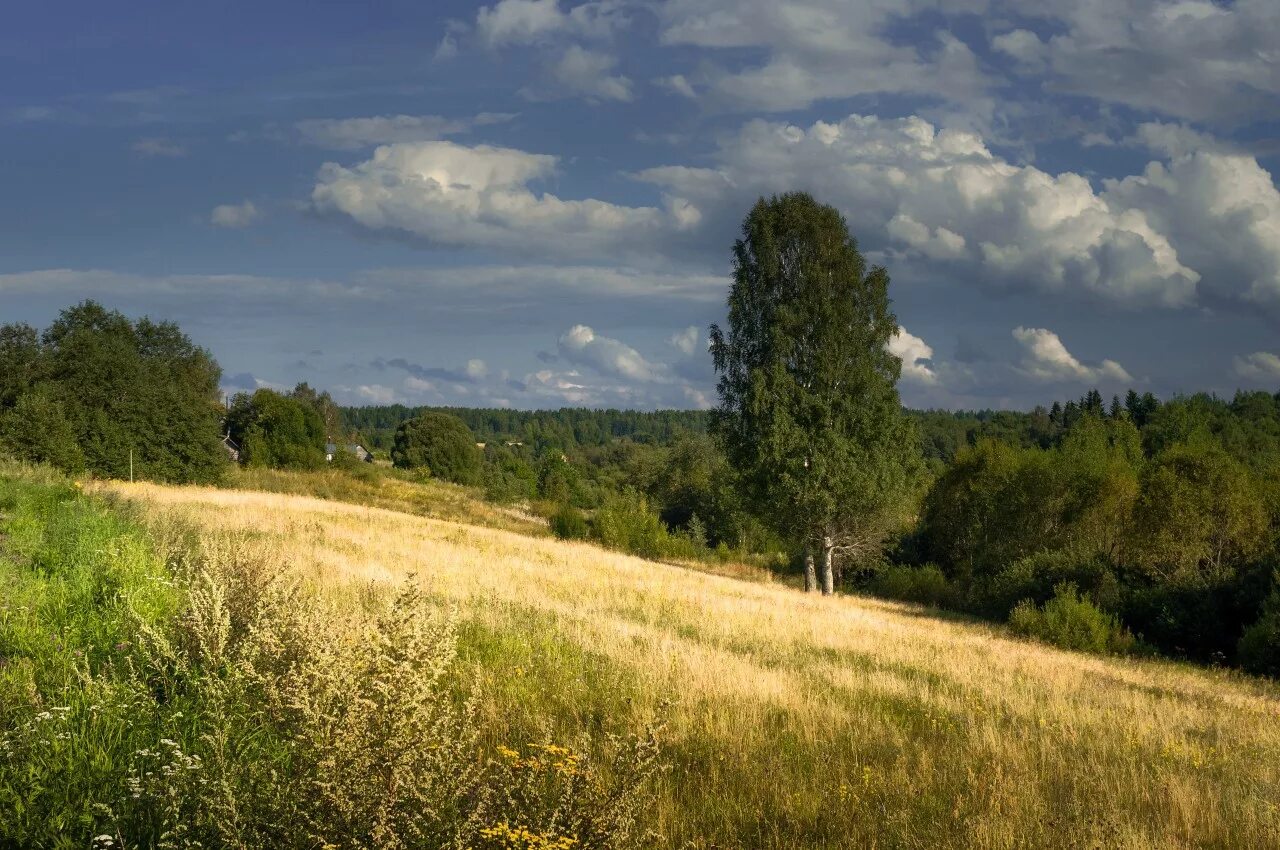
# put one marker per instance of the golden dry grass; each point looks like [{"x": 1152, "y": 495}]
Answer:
[{"x": 799, "y": 721}]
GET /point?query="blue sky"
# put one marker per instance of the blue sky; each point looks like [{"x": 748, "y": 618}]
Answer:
[{"x": 531, "y": 203}]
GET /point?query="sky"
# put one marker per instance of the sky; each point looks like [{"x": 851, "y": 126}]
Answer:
[{"x": 532, "y": 203}]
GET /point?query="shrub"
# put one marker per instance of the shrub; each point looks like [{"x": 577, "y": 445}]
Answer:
[
  {"x": 1197, "y": 620},
  {"x": 1259, "y": 648},
  {"x": 924, "y": 585},
  {"x": 568, "y": 523},
  {"x": 1037, "y": 576},
  {"x": 626, "y": 523},
  {"x": 1071, "y": 622}
]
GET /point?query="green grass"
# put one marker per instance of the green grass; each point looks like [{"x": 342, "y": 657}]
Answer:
[
  {"x": 210, "y": 700},
  {"x": 78, "y": 584}
]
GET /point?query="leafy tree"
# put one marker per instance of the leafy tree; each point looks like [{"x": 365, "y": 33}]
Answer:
[
  {"x": 277, "y": 431},
  {"x": 809, "y": 411},
  {"x": 324, "y": 405},
  {"x": 508, "y": 477},
  {"x": 36, "y": 429},
  {"x": 19, "y": 361},
  {"x": 1198, "y": 515},
  {"x": 139, "y": 390},
  {"x": 693, "y": 480},
  {"x": 440, "y": 443},
  {"x": 977, "y": 516}
]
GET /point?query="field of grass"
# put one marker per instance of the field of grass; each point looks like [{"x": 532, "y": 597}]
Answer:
[
  {"x": 791, "y": 720},
  {"x": 161, "y": 688},
  {"x": 391, "y": 489}
]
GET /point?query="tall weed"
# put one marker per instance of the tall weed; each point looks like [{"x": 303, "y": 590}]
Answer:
[{"x": 210, "y": 698}]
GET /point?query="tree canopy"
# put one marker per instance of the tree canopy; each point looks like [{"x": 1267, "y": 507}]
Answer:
[
  {"x": 809, "y": 411},
  {"x": 276, "y": 430},
  {"x": 115, "y": 389},
  {"x": 440, "y": 444}
]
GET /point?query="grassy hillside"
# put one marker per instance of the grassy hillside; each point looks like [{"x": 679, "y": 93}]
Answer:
[{"x": 792, "y": 720}]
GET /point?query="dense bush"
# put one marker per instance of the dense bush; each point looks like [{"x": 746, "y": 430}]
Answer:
[
  {"x": 568, "y": 523},
  {"x": 1259, "y": 647},
  {"x": 1037, "y": 576},
  {"x": 626, "y": 523},
  {"x": 925, "y": 585},
  {"x": 508, "y": 477},
  {"x": 1071, "y": 622},
  {"x": 1171, "y": 528},
  {"x": 438, "y": 443},
  {"x": 36, "y": 429}
]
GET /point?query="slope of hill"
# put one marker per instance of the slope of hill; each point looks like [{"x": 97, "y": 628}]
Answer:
[{"x": 798, "y": 721}]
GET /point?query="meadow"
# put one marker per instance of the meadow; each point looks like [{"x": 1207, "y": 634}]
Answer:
[{"x": 787, "y": 720}]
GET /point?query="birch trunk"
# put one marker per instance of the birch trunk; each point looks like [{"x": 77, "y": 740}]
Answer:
[
  {"x": 810, "y": 571},
  {"x": 828, "y": 574}
]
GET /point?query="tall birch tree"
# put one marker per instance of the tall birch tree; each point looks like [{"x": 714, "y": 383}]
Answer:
[{"x": 809, "y": 412}]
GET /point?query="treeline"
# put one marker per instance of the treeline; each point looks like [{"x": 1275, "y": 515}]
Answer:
[
  {"x": 566, "y": 428},
  {"x": 942, "y": 433}
]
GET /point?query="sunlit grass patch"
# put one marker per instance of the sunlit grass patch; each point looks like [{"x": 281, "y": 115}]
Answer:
[{"x": 794, "y": 720}]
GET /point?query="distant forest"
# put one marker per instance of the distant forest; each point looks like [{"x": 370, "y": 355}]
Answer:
[{"x": 1248, "y": 425}]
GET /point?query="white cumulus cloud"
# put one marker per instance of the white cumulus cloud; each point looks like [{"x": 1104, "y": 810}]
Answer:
[
  {"x": 943, "y": 195},
  {"x": 916, "y": 356},
  {"x": 1261, "y": 365},
  {"x": 367, "y": 131},
  {"x": 685, "y": 341},
  {"x": 516, "y": 22},
  {"x": 818, "y": 49},
  {"x": 582, "y": 346},
  {"x": 1047, "y": 359},
  {"x": 157, "y": 146},
  {"x": 587, "y": 73},
  {"x": 451, "y": 194}
]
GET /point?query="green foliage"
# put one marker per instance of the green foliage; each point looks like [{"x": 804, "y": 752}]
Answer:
[
  {"x": 123, "y": 389},
  {"x": 1259, "y": 647},
  {"x": 809, "y": 411},
  {"x": 625, "y": 522},
  {"x": 1036, "y": 577},
  {"x": 998, "y": 503},
  {"x": 537, "y": 430},
  {"x": 924, "y": 585},
  {"x": 559, "y": 480},
  {"x": 439, "y": 443},
  {"x": 277, "y": 431},
  {"x": 77, "y": 584},
  {"x": 568, "y": 523},
  {"x": 1200, "y": 514},
  {"x": 19, "y": 361},
  {"x": 1071, "y": 622},
  {"x": 325, "y": 407},
  {"x": 36, "y": 429}
]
